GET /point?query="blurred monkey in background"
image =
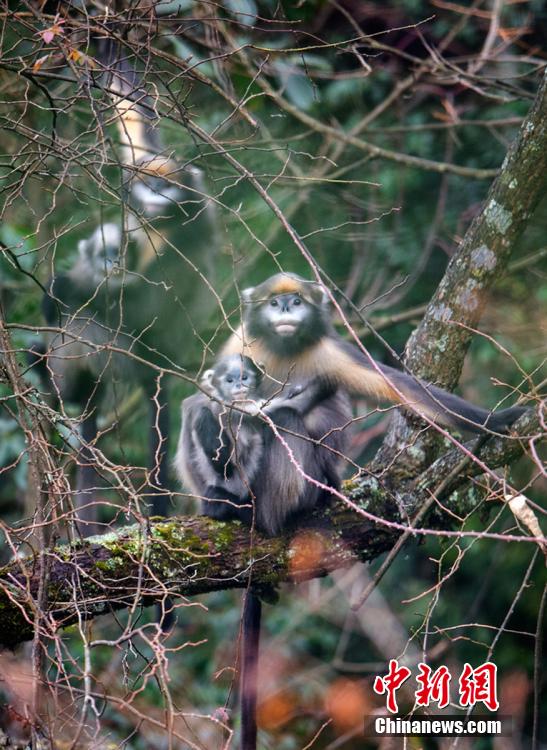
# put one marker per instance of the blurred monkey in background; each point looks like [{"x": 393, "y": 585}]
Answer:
[{"x": 129, "y": 280}]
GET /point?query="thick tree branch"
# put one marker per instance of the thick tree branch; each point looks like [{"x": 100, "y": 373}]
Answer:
[{"x": 187, "y": 556}]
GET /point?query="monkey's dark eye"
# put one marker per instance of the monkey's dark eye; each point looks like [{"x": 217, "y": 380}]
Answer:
[
  {"x": 245, "y": 377},
  {"x": 230, "y": 379},
  {"x": 274, "y": 303},
  {"x": 297, "y": 301}
]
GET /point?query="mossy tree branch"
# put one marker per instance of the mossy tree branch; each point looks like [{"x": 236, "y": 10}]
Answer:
[{"x": 189, "y": 556}]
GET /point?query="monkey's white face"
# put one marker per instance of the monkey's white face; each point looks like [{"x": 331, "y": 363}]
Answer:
[
  {"x": 235, "y": 385},
  {"x": 285, "y": 314},
  {"x": 285, "y": 324},
  {"x": 100, "y": 253}
]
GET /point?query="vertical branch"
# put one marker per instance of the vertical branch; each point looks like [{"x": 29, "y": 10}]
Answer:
[
  {"x": 39, "y": 466},
  {"x": 437, "y": 348},
  {"x": 483, "y": 254}
]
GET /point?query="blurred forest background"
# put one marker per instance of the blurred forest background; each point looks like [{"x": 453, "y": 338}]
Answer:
[{"x": 376, "y": 128}]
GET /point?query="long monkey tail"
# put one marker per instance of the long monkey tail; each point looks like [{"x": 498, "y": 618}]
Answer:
[
  {"x": 252, "y": 614},
  {"x": 346, "y": 365},
  {"x": 447, "y": 408},
  {"x": 135, "y": 113}
]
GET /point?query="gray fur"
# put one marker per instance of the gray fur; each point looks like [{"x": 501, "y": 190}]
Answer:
[
  {"x": 192, "y": 464},
  {"x": 286, "y": 487},
  {"x": 274, "y": 469}
]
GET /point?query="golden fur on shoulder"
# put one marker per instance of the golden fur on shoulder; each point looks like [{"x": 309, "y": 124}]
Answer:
[{"x": 325, "y": 358}]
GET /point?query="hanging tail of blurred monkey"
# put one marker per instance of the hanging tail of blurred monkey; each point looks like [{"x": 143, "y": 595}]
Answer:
[{"x": 248, "y": 685}]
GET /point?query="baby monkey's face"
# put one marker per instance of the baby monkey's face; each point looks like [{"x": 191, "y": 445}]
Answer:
[
  {"x": 235, "y": 379},
  {"x": 235, "y": 386}
]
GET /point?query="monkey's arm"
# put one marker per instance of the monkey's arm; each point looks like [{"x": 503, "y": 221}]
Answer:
[
  {"x": 357, "y": 374},
  {"x": 303, "y": 397},
  {"x": 214, "y": 441}
]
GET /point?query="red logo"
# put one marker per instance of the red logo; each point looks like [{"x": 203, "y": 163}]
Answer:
[{"x": 477, "y": 685}]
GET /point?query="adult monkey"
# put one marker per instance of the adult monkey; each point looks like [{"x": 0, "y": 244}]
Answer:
[
  {"x": 287, "y": 327},
  {"x": 241, "y": 469},
  {"x": 129, "y": 279}
]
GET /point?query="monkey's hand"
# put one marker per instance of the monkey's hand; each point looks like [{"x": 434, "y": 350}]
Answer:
[
  {"x": 268, "y": 407},
  {"x": 293, "y": 391},
  {"x": 284, "y": 399},
  {"x": 250, "y": 407}
]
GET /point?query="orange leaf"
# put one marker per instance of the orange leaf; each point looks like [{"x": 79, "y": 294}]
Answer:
[
  {"x": 75, "y": 56},
  {"x": 276, "y": 710},
  {"x": 39, "y": 62},
  {"x": 347, "y": 702}
]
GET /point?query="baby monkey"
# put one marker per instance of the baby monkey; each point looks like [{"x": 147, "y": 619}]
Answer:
[{"x": 252, "y": 459}]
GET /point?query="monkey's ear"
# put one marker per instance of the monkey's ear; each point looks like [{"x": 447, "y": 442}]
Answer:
[
  {"x": 207, "y": 379},
  {"x": 247, "y": 295},
  {"x": 318, "y": 294}
]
